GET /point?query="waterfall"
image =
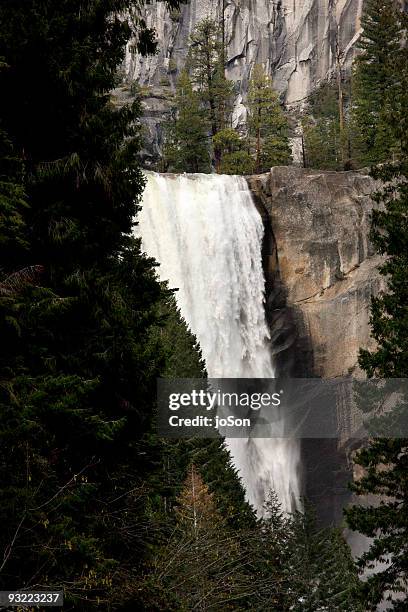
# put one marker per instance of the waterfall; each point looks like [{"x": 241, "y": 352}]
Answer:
[{"x": 206, "y": 233}]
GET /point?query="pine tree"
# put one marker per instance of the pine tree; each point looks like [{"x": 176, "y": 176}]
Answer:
[
  {"x": 325, "y": 137},
  {"x": 320, "y": 568},
  {"x": 374, "y": 76},
  {"x": 321, "y": 140},
  {"x": 234, "y": 158},
  {"x": 202, "y": 564},
  {"x": 187, "y": 142},
  {"x": 13, "y": 205},
  {"x": 206, "y": 66},
  {"x": 304, "y": 567},
  {"x": 213, "y": 458},
  {"x": 269, "y": 557},
  {"x": 385, "y": 460},
  {"x": 268, "y": 126},
  {"x": 205, "y": 63}
]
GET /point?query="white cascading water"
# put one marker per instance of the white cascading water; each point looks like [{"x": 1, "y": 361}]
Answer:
[{"x": 206, "y": 233}]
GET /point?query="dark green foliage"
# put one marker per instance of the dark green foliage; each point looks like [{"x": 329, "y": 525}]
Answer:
[
  {"x": 321, "y": 138},
  {"x": 205, "y": 64},
  {"x": 321, "y": 130},
  {"x": 267, "y": 123},
  {"x": 202, "y": 563},
  {"x": 186, "y": 361},
  {"x": 213, "y": 458},
  {"x": 326, "y": 144},
  {"x": 320, "y": 562},
  {"x": 203, "y": 107},
  {"x": 306, "y": 568},
  {"x": 234, "y": 158},
  {"x": 281, "y": 562},
  {"x": 385, "y": 461},
  {"x": 13, "y": 205},
  {"x": 187, "y": 147},
  {"x": 374, "y": 77},
  {"x": 361, "y": 133}
]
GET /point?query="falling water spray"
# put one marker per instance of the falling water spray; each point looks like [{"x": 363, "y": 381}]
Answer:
[{"x": 207, "y": 235}]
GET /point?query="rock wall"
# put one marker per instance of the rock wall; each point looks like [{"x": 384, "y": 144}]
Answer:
[
  {"x": 294, "y": 39},
  {"x": 321, "y": 272},
  {"x": 323, "y": 264}
]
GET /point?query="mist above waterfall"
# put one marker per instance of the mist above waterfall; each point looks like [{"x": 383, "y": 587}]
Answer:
[{"x": 206, "y": 233}]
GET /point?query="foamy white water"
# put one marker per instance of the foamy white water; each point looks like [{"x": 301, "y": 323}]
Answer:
[{"x": 206, "y": 233}]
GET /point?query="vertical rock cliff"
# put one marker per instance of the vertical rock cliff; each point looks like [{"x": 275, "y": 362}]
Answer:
[
  {"x": 321, "y": 272},
  {"x": 296, "y": 40},
  {"x": 323, "y": 262}
]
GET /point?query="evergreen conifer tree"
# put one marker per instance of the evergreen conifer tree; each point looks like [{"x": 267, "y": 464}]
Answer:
[
  {"x": 325, "y": 144},
  {"x": 321, "y": 140},
  {"x": 187, "y": 141},
  {"x": 312, "y": 567},
  {"x": 202, "y": 564},
  {"x": 234, "y": 158},
  {"x": 374, "y": 77},
  {"x": 268, "y": 126},
  {"x": 13, "y": 206},
  {"x": 206, "y": 66},
  {"x": 385, "y": 460}
]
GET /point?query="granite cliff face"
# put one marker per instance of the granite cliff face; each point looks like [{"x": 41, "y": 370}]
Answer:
[
  {"x": 321, "y": 261},
  {"x": 295, "y": 40},
  {"x": 321, "y": 273}
]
